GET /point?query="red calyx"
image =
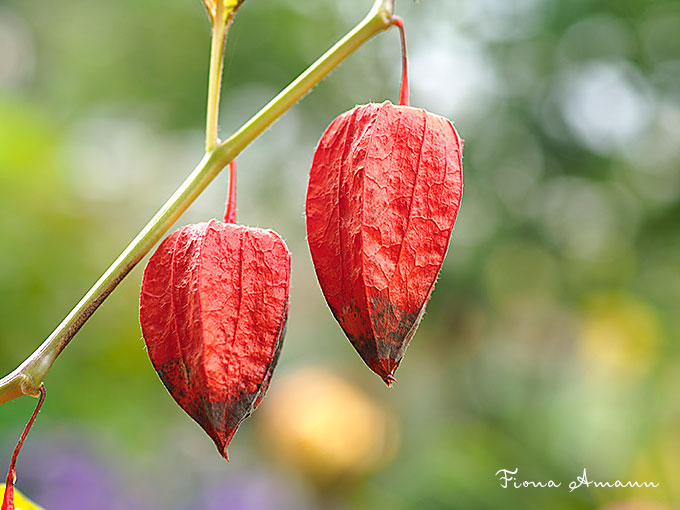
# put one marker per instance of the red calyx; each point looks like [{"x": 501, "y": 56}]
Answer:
[
  {"x": 384, "y": 191},
  {"x": 213, "y": 310}
]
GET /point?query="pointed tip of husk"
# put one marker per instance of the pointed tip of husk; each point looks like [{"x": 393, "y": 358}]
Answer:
[{"x": 389, "y": 380}]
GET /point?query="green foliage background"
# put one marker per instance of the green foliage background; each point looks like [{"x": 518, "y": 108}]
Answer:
[{"x": 550, "y": 343}]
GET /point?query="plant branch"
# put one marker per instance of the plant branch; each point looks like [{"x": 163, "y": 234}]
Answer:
[
  {"x": 27, "y": 378},
  {"x": 220, "y": 26}
]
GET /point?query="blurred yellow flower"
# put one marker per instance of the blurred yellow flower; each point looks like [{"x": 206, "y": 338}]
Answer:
[
  {"x": 20, "y": 501},
  {"x": 327, "y": 427},
  {"x": 620, "y": 335}
]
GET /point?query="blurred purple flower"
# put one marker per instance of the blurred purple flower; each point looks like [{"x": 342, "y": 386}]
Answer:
[
  {"x": 69, "y": 477},
  {"x": 252, "y": 491}
]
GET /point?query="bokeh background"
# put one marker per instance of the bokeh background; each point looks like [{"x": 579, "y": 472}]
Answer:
[{"x": 549, "y": 345}]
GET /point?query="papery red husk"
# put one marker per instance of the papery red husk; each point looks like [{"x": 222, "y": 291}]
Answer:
[
  {"x": 213, "y": 310},
  {"x": 384, "y": 191}
]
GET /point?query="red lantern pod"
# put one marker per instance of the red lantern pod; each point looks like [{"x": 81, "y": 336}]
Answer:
[
  {"x": 213, "y": 311},
  {"x": 384, "y": 191}
]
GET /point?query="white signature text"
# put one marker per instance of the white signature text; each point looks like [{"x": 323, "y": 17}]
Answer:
[{"x": 509, "y": 479}]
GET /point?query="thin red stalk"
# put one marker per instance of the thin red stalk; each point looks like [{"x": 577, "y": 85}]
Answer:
[
  {"x": 404, "y": 95},
  {"x": 8, "y": 500},
  {"x": 230, "y": 211}
]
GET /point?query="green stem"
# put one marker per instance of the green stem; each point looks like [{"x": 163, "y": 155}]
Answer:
[
  {"x": 221, "y": 23},
  {"x": 27, "y": 378}
]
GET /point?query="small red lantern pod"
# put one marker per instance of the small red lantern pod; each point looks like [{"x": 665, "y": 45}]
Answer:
[
  {"x": 213, "y": 311},
  {"x": 384, "y": 191}
]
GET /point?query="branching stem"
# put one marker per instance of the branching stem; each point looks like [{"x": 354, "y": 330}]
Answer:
[{"x": 28, "y": 377}]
